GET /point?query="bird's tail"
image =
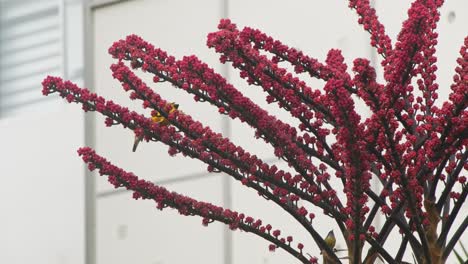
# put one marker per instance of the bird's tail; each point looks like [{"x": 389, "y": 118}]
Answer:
[{"x": 135, "y": 143}]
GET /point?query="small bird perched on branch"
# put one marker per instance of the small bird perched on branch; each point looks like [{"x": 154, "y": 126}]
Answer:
[
  {"x": 330, "y": 239},
  {"x": 156, "y": 118}
]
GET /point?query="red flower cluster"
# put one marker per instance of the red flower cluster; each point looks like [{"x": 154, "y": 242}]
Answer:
[{"x": 411, "y": 143}]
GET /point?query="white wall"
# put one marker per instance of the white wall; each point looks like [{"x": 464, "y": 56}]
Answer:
[
  {"x": 42, "y": 197},
  {"x": 42, "y": 204}
]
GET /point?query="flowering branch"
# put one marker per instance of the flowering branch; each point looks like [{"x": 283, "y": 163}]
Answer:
[
  {"x": 118, "y": 115},
  {"x": 370, "y": 22},
  {"x": 187, "y": 125},
  {"x": 232, "y": 102},
  {"x": 185, "y": 205},
  {"x": 301, "y": 62}
]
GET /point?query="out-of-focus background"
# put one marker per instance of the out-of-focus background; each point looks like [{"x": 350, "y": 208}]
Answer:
[{"x": 53, "y": 211}]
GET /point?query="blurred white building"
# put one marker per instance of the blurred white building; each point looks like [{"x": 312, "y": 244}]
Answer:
[{"x": 52, "y": 211}]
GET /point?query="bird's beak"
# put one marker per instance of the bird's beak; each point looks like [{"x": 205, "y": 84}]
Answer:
[{"x": 176, "y": 106}]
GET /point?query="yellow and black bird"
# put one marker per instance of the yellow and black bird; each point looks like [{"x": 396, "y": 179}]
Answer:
[
  {"x": 156, "y": 118},
  {"x": 330, "y": 240}
]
